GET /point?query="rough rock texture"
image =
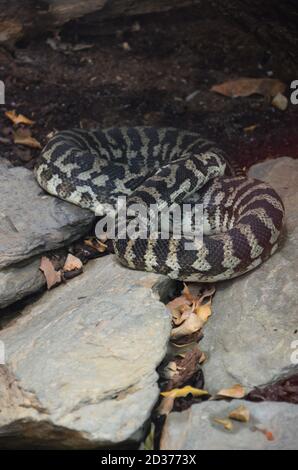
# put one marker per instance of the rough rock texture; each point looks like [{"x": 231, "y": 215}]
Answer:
[
  {"x": 31, "y": 221},
  {"x": 19, "y": 281},
  {"x": 80, "y": 362},
  {"x": 194, "y": 428},
  {"x": 249, "y": 339}
]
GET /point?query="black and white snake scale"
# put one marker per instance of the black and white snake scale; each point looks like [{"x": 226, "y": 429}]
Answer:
[{"x": 243, "y": 218}]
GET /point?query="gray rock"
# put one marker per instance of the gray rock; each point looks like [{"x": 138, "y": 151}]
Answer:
[
  {"x": 194, "y": 429},
  {"x": 80, "y": 362},
  {"x": 249, "y": 339},
  {"x": 32, "y": 222},
  {"x": 19, "y": 281}
]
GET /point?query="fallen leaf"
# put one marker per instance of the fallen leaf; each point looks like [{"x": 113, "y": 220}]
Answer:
[
  {"x": 237, "y": 391},
  {"x": 184, "y": 391},
  {"x": 250, "y": 128},
  {"x": 96, "y": 244},
  {"x": 203, "y": 358},
  {"x": 250, "y": 86},
  {"x": 52, "y": 276},
  {"x": 169, "y": 370},
  {"x": 182, "y": 368},
  {"x": 226, "y": 423},
  {"x": 166, "y": 405},
  {"x": 23, "y": 137},
  {"x": 18, "y": 118},
  {"x": 241, "y": 414},
  {"x": 194, "y": 293},
  {"x": 72, "y": 263},
  {"x": 190, "y": 325},
  {"x": 203, "y": 311},
  {"x": 178, "y": 302},
  {"x": 149, "y": 441}
]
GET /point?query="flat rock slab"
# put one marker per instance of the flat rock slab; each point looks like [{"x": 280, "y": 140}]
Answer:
[
  {"x": 31, "y": 221},
  {"x": 81, "y": 362},
  {"x": 195, "y": 429},
  {"x": 250, "y": 337},
  {"x": 19, "y": 281}
]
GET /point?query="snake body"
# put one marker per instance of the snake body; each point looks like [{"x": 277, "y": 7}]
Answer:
[{"x": 243, "y": 217}]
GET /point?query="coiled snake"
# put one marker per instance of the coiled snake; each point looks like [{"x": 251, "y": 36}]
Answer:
[{"x": 243, "y": 217}]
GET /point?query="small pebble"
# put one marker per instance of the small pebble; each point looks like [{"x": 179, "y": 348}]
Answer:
[{"x": 280, "y": 101}]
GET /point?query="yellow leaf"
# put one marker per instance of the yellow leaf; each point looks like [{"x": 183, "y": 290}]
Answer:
[
  {"x": 226, "y": 423},
  {"x": 241, "y": 414},
  {"x": 237, "y": 391},
  {"x": 203, "y": 311},
  {"x": 149, "y": 441},
  {"x": 184, "y": 391},
  {"x": 18, "y": 118}
]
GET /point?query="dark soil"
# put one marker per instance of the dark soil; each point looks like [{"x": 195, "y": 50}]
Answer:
[{"x": 141, "y": 73}]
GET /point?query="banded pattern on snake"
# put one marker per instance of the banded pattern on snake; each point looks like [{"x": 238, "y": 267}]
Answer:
[{"x": 243, "y": 218}]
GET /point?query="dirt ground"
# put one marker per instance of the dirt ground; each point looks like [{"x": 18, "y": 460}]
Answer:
[{"x": 144, "y": 71}]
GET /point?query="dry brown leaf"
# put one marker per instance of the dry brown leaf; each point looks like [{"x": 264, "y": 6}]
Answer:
[
  {"x": 189, "y": 295},
  {"x": 241, "y": 414},
  {"x": 237, "y": 391},
  {"x": 18, "y": 118},
  {"x": 72, "y": 263},
  {"x": 194, "y": 293},
  {"x": 52, "y": 276},
  {"x": 203, "y": 358},
  {"x": 183, "y": 368},
  {"x": 169, "y": 370},
  {"x": 250, "y": 128},
  {"x": 166, "y": 405},
  {"x": 226, "y": 423},
  {"x": 203, "y": 311},
  {"x": 192, "y": 323},
  {"x": 175, "y": 349},
  {"x": 250, "y": 86},
  {"x": 184, "y": 391},
  {"x": 23, "y": 137},
  {"x": 178, "y": 302}
]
